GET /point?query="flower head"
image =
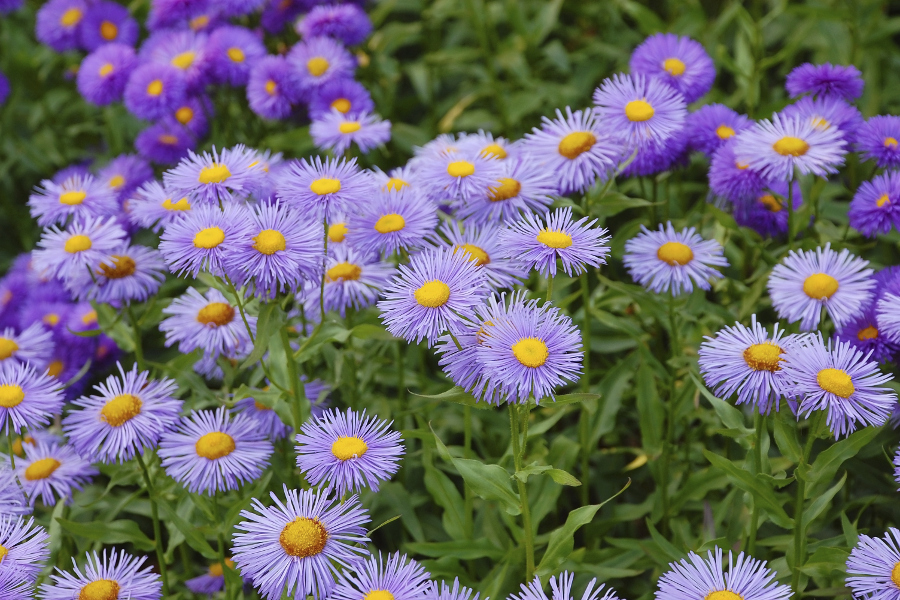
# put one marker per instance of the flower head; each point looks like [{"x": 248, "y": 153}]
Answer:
[
  {"x": 28, "y": 398},
  {"x": 346, "y": 23},
  {"x": 78, "y": 197},
  {"x": 323, "y": 188},
  {"x": 392, "y": 221},
  {"x": 215, "y": 176},
  {"x": 680, "y": 62},
  {"x": 104, "y": 73},
  {"x": 336, "y": 131},
  {"x": 733, "y": 179},
  {"x": 212, "y": 581},
  {"x": 59, "y": 24},
  {"x": 52, "y": 472},
  {"x": 878, "y": 139},
  {"x": 767, "y": 212},
  {"x": 346, "y": 96},
  {"x": 827, "y": 112},
  {"x": 698, "y": 578},
  {"x": 105, "y": 576},
  {"x": 273, "y": 87},
  {"x": 353, "y": 279},
  {"x": 639, "y": 110},
  {"x": 840, "y": 81},
  {"x": 523, "y": 187},
  {"x": 872, "y": 567},
  {"x": 154, "y": 208},
  {"x": 864, "y": 334},
  {"x": 24, "y": 546},
  {"x": 124, "y": 174},
  {"x": 107, "y": 22},
  {"x": 206, "y": 321},
  {"x": 202, "y": 239},
  {"x": 154, "y": 89},
  {"x": 134, "y": 273},
  {"x": 165, "y": 142},
  {"x": 263, "y": 417},
  {"x": 182, "y": 49},
  {"x": 67, "y": 253},
  {"x": 711, "y": 126},
  {"x": 461, "y": 176},
  {"x": 401, "y": 577},
  {"x": 232, "y": 52},
  {"x": 319, "y": 60},
  {"x": 875, "y": 207},
  {"x": 485, "y": 249}
]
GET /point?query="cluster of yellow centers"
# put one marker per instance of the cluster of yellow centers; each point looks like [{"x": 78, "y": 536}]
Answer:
[
  {"x": 123, "y": 266},
  {"x": 675, "y": 253},
  {"x": 209, "y": 238},
  {"x": 344, "y": 271},
  {"x": 554, "y": 239},
  {"x": 214, "y": 445},
  {"x": 347, "y": 447},
  {"x": 638, "y": 111},
  {"x": 269, "y": 241},
  {"x": 303, "y": 537},
  {"x": 121, "y": 409},
  {"x": 508, "y": 188},
  {"x": 460, "y": 168},
  {"x": 323, "y": 186},
  {"x": 771, "y": 203},
  {"x": 723, "y": 595},
  {"x": 214, "y": 173},
  {"x": 820, "y": 286},
  {"x": 531, "y": 352},
  {"x": 11, "y": 395},
  {"x": 72, "y": 197},
  {"x": 477, "y": 254},
  {"x": 791, "y": 146},
  {"x": 182, "y": 204},
  {"x": 763, "y": 357},
  {"x": 77, "y": 243},
  {"x": 100, "y": 589},
  {"x": 390, "y": 223},
  {"x": 216, "y": 314},
  {"x": 42, "y": 469},
  {"x": 317, "y": 66},
  {"x": 576, "y": 143},
  {"x": 836, "y": 381},
  {"x": 433, "y": 294},
  {"x": 108, "y": 31}
]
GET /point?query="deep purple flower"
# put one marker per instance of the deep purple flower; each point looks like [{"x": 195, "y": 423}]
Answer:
[
  {"x": 841, "y": 81},
  {"x": 680, "y": 62},
  {"x": 105, "y": 72}
]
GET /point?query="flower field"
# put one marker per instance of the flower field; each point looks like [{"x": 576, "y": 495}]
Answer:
[{"x": 449, "y": 300}]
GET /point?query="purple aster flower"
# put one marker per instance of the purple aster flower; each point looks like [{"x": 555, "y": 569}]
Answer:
[
  {"x": 348, "y": 452},
  {"x": 840, "y": 379},
  {"x": 212, "y": 581},
  {"x": 485, "y": 249},
  {"x": 125, "y": 173},
  {"x": 273, "y": 88},
  {"x": 104, "y": 73},
  {"x": 25, "y": 548},
  {"x": 214, "y": 451},
  {"x": 679, "y": 62},
  {"x": 826, "y": 112},
  {"x": 323, "y": 189},
  {"x": 391, "y": 221},
  {"x": 12, "y": 498},
  {"x": 201, "y": 240},
  {"x": 154, "y": 90},
  {"x": 237, "y": 8},
  {"x": 52, "y": 472},
  {"x": 232, "y": 52},
  {"x": 710, "y": 126},
  {"x": 13, "y": 295},
  {"x": 887, "y": 314},
  {"x": 667, "y": 261},
  {"x": 59, "y": 22},
  {"x": 863, "y": 334},
  {"x": 651, "y": 159},
  {"x": 804, "y": 282},
  {"x": 436, "y": 292},
  {"x": 300, "y": 543},
  {"x": 52, "y": 315},
  {"x": 562, "y": 590},
  {"x": 343, "y": 95},
  {"x": 459, "y": 176},
  {"x": 639, "y": 110},
  {"x": 733, "y": 179},
  {"x": 106, "y": 23},
  {"x": 872, "y": 566},
  {"x": 485, "y": 144},
  {"x": 523, "y": 187},
  {"x": 165, "y": 142},
  {"x": 347, "y": 23},
  {"x": 213, "y": 176},
  {"x": 401, "y": 577},
  {"x": 79, "y": 197},
  {"x": 335, "y": 131},
  {"x": 174, "y": 13},
  {"x": 33, "y": 345},
  {"x": 319, "y": 60},
  {"x": 278, "y": 13},
  {"x": 353, "y": 279},
  {"x": 82, "y": 245},
  {"x": 113, "y": 575},
  {"x": 443, "y": 591},
  {"x": 698, "y": 578},
  {"x": 877, "y": 139},
  {"x": 574, "y": 148},
  {"x": 205, "y": 321},
  {"x": 778, "y": 147},
  {"x": 767, "y": 211},
  {"x": 841, "y": 81},
  {"x": 8, "y": 6},
  {"x": 264, "y": 418},
  {"x": 182, "y": 49},
  {"x": 28, "y": 398},
  {"x": 193, "y": 114},
  {"x": 874, "y": 208}
]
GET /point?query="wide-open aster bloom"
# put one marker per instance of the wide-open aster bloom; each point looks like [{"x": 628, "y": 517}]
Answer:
[
  {"x": 193, "y": 115},
  {"x": 33, "y": 345},
  {"x": 463, "y": 176},
  {"x": 124, "y": 174},
  {"x": 680, "y": 62},
  {"x": 524, "y": 186},
  {"x": 483, "y": 246},
  {"x": 804, "y": 282},
  {"x": 134, "y": 274},
  {"x": 348, "y": 451},
  {"x": 872, "y": 567},
  {"x": 323, "y": 189},
  {"x": 878, "y": 139},
  {"x": 104, "y": 73},
  {"x": 213, "y": 176},
  {"x": 746, "y": 361},
  {"x": 839, "y": 379},
  {"x": 336, "y": 131},
  {"x": 353, "y": 279},
  {"x": 77, "y": 197},
  {"x": 12, "y": 497},
  {"x": 183, "y": 49},
  {"x": 488, "y": 146},
  {"x": 574, "y": 148},
  {"x": 105, "y": 576},
  {"x": 538, "y": 246},
  {"x": 840, "y": 81},
  {"x": 767, "y": 211},
  {"x": 231, "y": 52},
  {"x": 698, "y": 578},
  {"x": 875, "y": 207},
  {"x": 346, "y": 23},
  {"x": 154, "y": 89},
  {"x": 347, "y": 96},
  {"x": 273, "y": 88},
  {"x": 214, "y": 451},
  {"x": 669, "y": 261},
  {"x": 28, "y": 398},
  {"x": 562, "y": 590},
  {"x": 391, "y": 221},
  {"x": 106, "y": 23},
  {"x": 778, "y": 147},
  {"x": 444, "y": 591},
  {"x": 300, "y": 543},
  {"x": 279, "y": 251},
  {"x": 319, "y": 60},
  {"x": 278, "y": 13},
  {"x": 165, "y": 142},
  {"x": 24, "y": 547},
  {"x": 52, "y": 472},
  {"x": 401, "y": 577},
  {"x": 205, "y": 321},
  {"x": 58, "y": 23},
  {"x": 710, "y": 126},
  {"x": 212, "y": 581},
  {"x": 152, "y": 207},
  {"x": 128, "y": 414},
  {"x": 263, "y": 417},
  {"x": 200, "y": 241},
  {"x": 83, "y": 244},
  {"x": 434, "y": 293},
  {"x": 731, "y": 178},
  {"x": 863, "y": 333},
  {"x": 826, "y": 112},
  {"x": 639, "y": 110}
]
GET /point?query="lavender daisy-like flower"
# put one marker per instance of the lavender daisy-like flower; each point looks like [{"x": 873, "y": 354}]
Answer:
[
  {"x": 767, "y": 212},
  {"x": 263, "y": 417},
  {"x": 401, "y": 577},
  {"x": 165, "y": 142},
  {"x": 106, "y": 23},
  {"x": 193, "y": 115},
  {"x": 804, "y": 282},
  {"x": 201, "y": 240},
  {"x": 839, "y": 379},
  {"x": 65, "y": 253},
  {"x": 152, "y": 207},
  {"x": 878, "y": 139},
  {"x": 666, "y": 261},
  {"x": 299, "y": 544},
  {"x": 574, "y": 149},
  {"x": 443, "y": 591},
  {"x": 319, "y": 60},
  {"x": 323, "y": 188},
  {"x": 182, "y": 49},
  {"x": 639, "y": 110},
  {"x": 778, "y": 147},
  {"x": 874, "y": 208},
  {"x": 78, "y": 197},
  {"x": 12, "y": 497},
  {"x": 562, "y": 590},
  {"x": 212, "y": 581},
  {"x": 28, "y": 398},
  {"x": 434, "y": 293},
  {"x": 52, "y": 472},
  {"x": 154, "y": 89},
  {"x": 524, "y": 187},
  {"x": 205, "y": 321},
  {"x": 58, "y": 24},
  {"x": 104, "y": 73},
  {"x": 24, "y": 546},
  {"x": 731, "y": 178},
  {"x": 710, "y": 126},
  {"x": 273, "y": 88},
  {"x": 124, "y": 174},
  {"x": 214, "y": 176},
  {"x": 680, "y": 62},
  {"x": 134, "y": 274},
  {"x": 33, "y": 345},
  {"x": 484, "y": 248},
  {"x": 353, "y": 279},
  {"x": 105, "y": 576},
  {"x": 346, "y": 96},
  {"x": 128, "y": 414},
  {"x": 336, "y": 131},
  {"x": 841, "y": 81},
  {"x": 232, "y": 52},
  {"x": 863, "y": 333},
  {"x": 826, "y": 112},
  {"x": 746, "y": 361},
  {"x": 391, "y": 221},
  {"x": 458, "y": 175},
  {"x": 872, "y": 567},
  {"x": 698, "y": 578},
  {"x": 346, "y": 23},
  {"x": 214, "y": 451},
  {"x": 537, "y": 246}
]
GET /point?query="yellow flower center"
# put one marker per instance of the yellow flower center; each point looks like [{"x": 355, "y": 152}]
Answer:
[
  {"x": 209, "y": 238},
  {"x": 820, "y": 286},
  {"x": 820, "y": 123},
  {"x": 168, "y": 139},
  {"x": 182, "y": 204},
  {"x": 11, "y": 395},
  {"x": 3, "y": 551},
  {"x": 214, "y": 445},
  {"x": 8, "y": 347},
  {"x": 269, "y": 241},
  {"x": 741, "y": 166},
  {"x": 271, "y": 87},
  {"x": 235, "y": 54},
  {"x": 395, "y": 184},
  {"x": 460, "y": 168},
  {"x": 477, "y": 255},
  {"x": 155, "y": 88},
  {"x": 106, "y": 69},
  {"x": 481, "y": 335},
  {"x": 493, "y": 151},
  {"x": 215, "y": 569},
  {"x": 763, "y": 357},
  {"x": 345, "y": 270},
  {"x": 890, "y": 142},
  {"x": 78, "y": 243},
  {"x": 41, "y": 469},
  {"x": 895, "y": 574},
  {"x": 55, "y": 368},
  {"x": 324, "y": 186},
  {"x": 345, "y": 448},
  {"x": 379, "y": 595},
  {"x": 123, "y": 266},
  {"x": 72, "y": 198},
  {"x": 349, "y": 127},
  {"x": 50, "y": 319},
  {"x": 215, "y": 173},
  {"x": 836, "y": 381},
  {"x": 771, "y": 203},
  {"x": 70, "y": 17},
  {"x": 342, "y": 105},
  {"x": 199, "y": 22},
  {"x": 433, "y": 294},
  {"x": 885, "y": 199},
  {"x": 508, "y": 188},
  {"x": 108, "y": 30},
  {"x": 576, "y": 143},
  {"x": 554, "y": 239},
  {"x": 184, "y": 60},
  {"x": 337, "y": 231},
  {"x": 121, "y": 409},
  {"x": 303, "y": 537},
  {"x": 723, "y": 595},
  {"x": 724, "y": 132},
  {"x": 675, "y": 253},
  {"x": 790, "y": 146},
  {"x": 101, "y": 589},
  {"x": 531, "y": 352},
  {"x": 89, "y": 318},
  {"x": 116, "y": 181},
  {"x": 184, "y": 115},
  {"x": 216, "y": 314},
  {"x": 638, "y": 111},
  {"x": 390, "y": 223},
  {"x": 869, "y": 333},
  {"x": 317, "y": 66},
  {"x": 674, "y": 66}
]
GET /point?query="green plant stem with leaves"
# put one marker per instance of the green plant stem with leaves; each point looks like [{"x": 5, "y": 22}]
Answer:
[
  {"x": 799, "y": 501},
  {"x": 669, "y": 442},
  {"x": 584, "y": 424},
  {"x": 157, "y": 530},
  {"x": 297, "y": 391},
  {"x": 518, "y": 450},
  {"x": 756, "y": 464},
  {"x": 469, "y": 498}
]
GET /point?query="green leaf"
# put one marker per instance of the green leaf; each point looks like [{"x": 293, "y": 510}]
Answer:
[
  {"x": 822, "y": 500},
  {"x": 191, "y": 534},
  {"x": 830, "y": 460},
  {"x": 826, "y": 562},
  {"x": 447, "y": 497},
  {"x": 367, "y": 331},
  {"x": 665, "y": 546},
  {"x": 114, "y": 532},
  {"x": 459, "y": 549},
  {"x": 571, "y": 399},
  {"x": 650, "y": 410},
  {"x": 786, "y": 440},
  {"x": 457, "y": 395},
  {"x": 730, "y": 416},
  {"x": 270, "y": 319},
  {"x": 558, "y": 475},
  {"x": 757, "y": 487}
]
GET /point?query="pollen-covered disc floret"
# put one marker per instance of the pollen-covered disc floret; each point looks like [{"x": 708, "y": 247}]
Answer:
[
  {"x": 28, "y": 398},
  {"x": 106, "y": 576},
  {"x": 873, "y": 568},
  {"x": 299, "y": 544},
  {"x": 51, "y": 472},
  {"x": 698, "y": 578},
  {"x": 133, "y": 273}
]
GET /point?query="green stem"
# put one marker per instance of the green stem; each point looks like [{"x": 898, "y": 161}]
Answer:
[
  {"x": 467, "y": 445},
  {"x": 676, "y": 349},
  {"x": 759, "y": 423},
  {"x": 790, "y": 219},
  {"x": 584, "y": 429},
  {"x": 9, "y": 438},
  {"x": 528, "y": 532},
  {"x": 799, "y": 526},
  {"x": 549, "y": 288},
  {"x": 138, "y": 348},
  {"x": 295, "y": 382},
  {"x": 157, "y": 531},
  {"x": 221, "y": 538}
]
